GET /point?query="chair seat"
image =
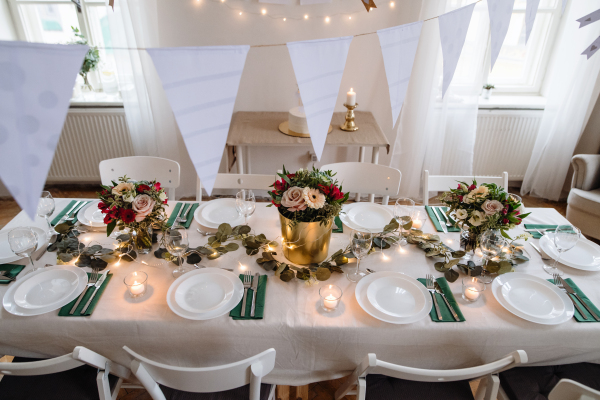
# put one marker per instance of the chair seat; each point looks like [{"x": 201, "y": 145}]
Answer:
[
  {"x": 587, "y": 201},
  {"x": 241, "y": 393},
  {"x": 381, "y": 387},
  {"x": 75, "y": 384},
  {"x": 535, "y": 383}
]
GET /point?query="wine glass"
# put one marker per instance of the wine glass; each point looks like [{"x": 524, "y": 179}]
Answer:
[
  {"x": 23, "y": 241},
  {"x": 565, "y": 238},
  {"x": 245, "y": 203},
  {"x": 360, "y": 244},
  {"x": 45, "y": 209},
  {"x": 492, "y": 244},
  {"x": 176, "y": 240},
  {"x": 403, "y": 209}
]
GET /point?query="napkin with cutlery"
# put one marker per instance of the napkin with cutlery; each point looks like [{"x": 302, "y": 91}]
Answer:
[
  {"x": 64, "y": 311},
  {"x": 186, "y": 211},
  {"x": 259, "y": 308},
  {"x": 541, "y": 227},
  {"x": 12, "y": 272},
  {"x": 340, "y": 227},
  {"x": 583, "y": 297},
  {"x": 436, "y": 222},
  {"x": 446, "y": 314},
  {"x": 64, "y": 211}
]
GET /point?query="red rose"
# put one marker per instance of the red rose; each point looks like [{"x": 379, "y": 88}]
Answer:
[
  {"x": 127, "y": 215},
  {"x": 280, "y": 185},
  {"x": 460, "y": 198},
  {"x": 143, "y": 188},
  {"x": 157, "y": 186},
  {"x": 102, "y": 205},
  {"x": 459, "y": 187},
  {"x": 519, "y": 223},
  {"x": 505, "y": 221},
  {"x": 335, "y": 193},
  {"x": 165, "y": 202},
  {"x": 472, "y": 187},
  {"x": 324, "y": 189},
  {"x": 107, "y": 219},
  {"x": 275, "y": 204}
]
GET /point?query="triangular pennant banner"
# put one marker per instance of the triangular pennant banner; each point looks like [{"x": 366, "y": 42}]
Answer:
[
  {"x": 592, "y": 49},
  {"x": 564, "y": 5},
  {"x": 453, "y": 32},
  {"x": 530, "y": 13},
  {"x": 588, "y": 19},
  {"x": 201, "y": 84},
  {"x": 36, "y": 84},
  {"x": 500, "y": 12},
  {"x": 319, "y": 66},
  {"x": 399, "y": 47}
]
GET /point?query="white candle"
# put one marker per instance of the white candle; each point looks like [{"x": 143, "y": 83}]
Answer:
[
  {"x": 330, "y": 302},
  {"x": 351, "y": 97},
  {"x": 471, "y": 294},
  {"x": 417, "y": 223},
  {"x": 137, "y": 288}
]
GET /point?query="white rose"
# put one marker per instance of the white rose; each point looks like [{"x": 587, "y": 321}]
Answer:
[
  {"x": 477, "y": 218},
  {"x": 461, "y": 214},
  {"x": 162, "y": 196},
  {"x": 128, "y": 199}
]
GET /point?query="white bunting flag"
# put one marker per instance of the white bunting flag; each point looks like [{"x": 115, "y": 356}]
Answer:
[
  {"x": 453, "y": 32},
  {"x": 564, "y": 5},
  {"x": 319, "y": 66},
  {"x": 592, "y": 49},
  {"x": 500, "y": 12},
  {"x": 201, "y": 84},
  {"x": 399, "y": 47},
  {"x": 36, "y": 84},
  {"x": 530, "y": 13},
  {"x": 588, "y": 19}
]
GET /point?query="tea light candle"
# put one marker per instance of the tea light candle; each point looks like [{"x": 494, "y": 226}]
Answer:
[
  {"x": 330, "y": 302},
  {"x": 417, "y": 223},
  {"x": 471, "y": 294},
  {"x": 351, "y": 97},
  {"x": 472, "y": 289},
  {"x": 136, "y": 283},
  {"x": 330, "y": 297}
]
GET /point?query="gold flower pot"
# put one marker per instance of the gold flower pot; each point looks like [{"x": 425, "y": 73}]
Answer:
[{"x": 305, "y": 242}]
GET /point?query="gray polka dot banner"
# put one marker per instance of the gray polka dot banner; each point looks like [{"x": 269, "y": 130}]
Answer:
[{"x": 36, "y": 83}]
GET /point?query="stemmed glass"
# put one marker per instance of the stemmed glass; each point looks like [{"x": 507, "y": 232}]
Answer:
[
  {"x": 245, "y": 203},
  {"x": 403, "y": 210},
  {"x": 492, "y": 244},
  {"x": 45, "y": 209},
  {"x": 176, "y": 239},
  {"x": 360, "y": 244},
  {"x": 23, "y": 241},
  {"x": 565, "y": 238}
]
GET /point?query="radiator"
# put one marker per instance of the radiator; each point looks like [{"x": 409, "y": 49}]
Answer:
[
  {"x": 504, "y": 142},
  {"x": 89, "y": 136}
]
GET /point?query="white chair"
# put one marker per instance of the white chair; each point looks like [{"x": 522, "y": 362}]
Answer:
[
  {"x": 566, "y": 389},
  {"x": 239, "y": 181},
  {"x": 443, "y": 183},
  {"x": 367, "y": 178},
  {"x": 63, "y": 378},
  {"x": 238, "y": 379},
  {"x": 413, "y": 383},
  {"x": 142, "y": 168}
]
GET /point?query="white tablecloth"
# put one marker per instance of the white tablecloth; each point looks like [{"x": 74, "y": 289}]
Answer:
[{"x": 311, "y": 345}]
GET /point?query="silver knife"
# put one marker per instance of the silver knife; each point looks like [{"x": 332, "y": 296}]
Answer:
[
  {"x": 439, "y": 290},
  {"x": 574, "y": 293},
  {"x": 176, "y": 221},
  {"x": 187, "y": 212},
  {"x": 79, "y": 207},
  {"x": 66, "y": 215},
  {"x": 96, "y": 287},
  {"x": 539, "y": 251},
  {"x": 254, "y": 290},
  {"x": 443, "y": 225}
]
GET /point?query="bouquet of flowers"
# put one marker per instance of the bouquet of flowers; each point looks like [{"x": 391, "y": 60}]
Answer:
[{"x": 308, "y": 196}]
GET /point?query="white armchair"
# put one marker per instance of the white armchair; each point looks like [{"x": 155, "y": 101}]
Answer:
[{"x": 583, "y": 208}]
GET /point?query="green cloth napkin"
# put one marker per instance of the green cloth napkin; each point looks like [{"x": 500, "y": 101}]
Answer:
[
  {"x": 64, "y": 211},
  {"x": 259, "y": 308},
  {"x": 587, "y": 301},
  {"x": 64, "y": 312},
  {"x": 14, "y": 271},
  {"x": 541, "y": 227},
  {"x": 190, "y": 214},
  {"x": 446, "y": 314},
  {"x": 435, "y": 221},
  {"x": 338, "y": 222}
]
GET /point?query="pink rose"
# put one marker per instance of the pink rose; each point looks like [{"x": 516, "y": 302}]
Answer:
[
  {"x": 293, "y": 199},
  {"x": 491, "y": 207},
  {"x": 143, "y": 206}
]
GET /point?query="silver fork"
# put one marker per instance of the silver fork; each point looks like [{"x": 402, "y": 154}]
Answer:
[
  {"x": 558, "y": 282},
  {"x": 202, "y": 232},
  {"x": 91, "y": 282},
  {"x": 247, "y": 283},
  {"x": 4, "y": 276},
  {"x": 448, "y": 223},
  {"x": 429, "y": 283},
  {"x": 71, "y": 216}
]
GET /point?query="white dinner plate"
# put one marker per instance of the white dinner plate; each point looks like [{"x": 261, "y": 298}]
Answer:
[
  {"x": 585, "y": 255},
  {"x": 47, "y": 289},
  {"x": 398, "y": 296},
  {"x": 204, "y": 292},
  {"x": 215, "y": 212},
  {"x": 361, "y": 293},
  {"x": 91, "y": 215},
  {"x": 533, "y": 299},
  {"x": 7, "y": 255},
  {"x": 11, "y": 306},
  {"x": 238, "y": 293},
  {"x": 366, "y": 216}
]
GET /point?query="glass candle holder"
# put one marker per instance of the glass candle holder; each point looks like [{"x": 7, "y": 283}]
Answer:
[
  {"x": 136, "y": 283},
  {"x": 331, "y": 297},
  {"x": 418, "y": 219},
  {"x": 471, "y": 289}
]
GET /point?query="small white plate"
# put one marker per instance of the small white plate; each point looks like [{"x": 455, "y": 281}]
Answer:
[
  {"x": 584, "y": 256},
  {"x": 7, "y": 255},
  {"x": 215, "y": 212},
  {"x": 396, "y": 296},
  {"x": 47, "y": 289},
  {"x": 91, "y": 215},
  {"x": 204, "y": 292},
  {"x": 366, "y": 216}
]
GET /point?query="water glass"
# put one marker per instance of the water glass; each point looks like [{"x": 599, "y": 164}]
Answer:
[
  {"x": 176, "y": 240},
  {"x": 23, "y": 241},
  {"x": 245, "y": 203},
  {"x": 492, "y": 244},
  {"x": 45, "y": 209},
  {"x": 565, "y": 238},
  {"x": 331, "y": 296},
  {"x": 403, "y": 209},
  {"x": 360, "y": 244}
]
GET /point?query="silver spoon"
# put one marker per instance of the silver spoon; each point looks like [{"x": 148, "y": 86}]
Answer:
[{"x": 203, "y": 266}]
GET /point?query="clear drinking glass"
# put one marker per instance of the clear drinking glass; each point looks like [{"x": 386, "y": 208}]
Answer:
[
  {"x": 245, "y": 203},
  {"x": 45, "y": 209},
  {"x": 491, "y": 244},
  {"x": 176, "y": 239},
  {"x": 360, "y": 244},
  {"x": 565, "y": 238},
  {"x": 403, "y": 209},
  {"x": 23, "y": 241}
]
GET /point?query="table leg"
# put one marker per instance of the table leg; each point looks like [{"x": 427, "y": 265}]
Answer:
[
  {"x": 282, "y": 392},
  {"x": 361, "y": 158},
  {"x": 374, "y": 160},
  {"x": 302, "y": 392},
  {"x": 240, "y": 158}
]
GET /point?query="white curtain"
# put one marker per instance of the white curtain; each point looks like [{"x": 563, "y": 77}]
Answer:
[{"x": 570, "y": 98}]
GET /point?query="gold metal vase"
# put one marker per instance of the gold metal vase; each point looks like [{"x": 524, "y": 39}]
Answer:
[{"x": 305, "y": 242}]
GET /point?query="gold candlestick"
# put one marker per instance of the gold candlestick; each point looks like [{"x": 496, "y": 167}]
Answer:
[{"x": 349, "y": 125}]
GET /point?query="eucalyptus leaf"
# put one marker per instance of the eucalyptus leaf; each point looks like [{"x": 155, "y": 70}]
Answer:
[
  {"x": 303, "y": 273},
  {"x": 244, "y": 229},
  {"x": 204, "y": 250},
  {"x": 100, "y": 264},
  {"x": 280, "y": 269},
  {"x": 492, "y": 267},
  {"x": 458, "y": 254},
  {"x": 451, "y": 275},
  {"x": 213, "y": 256},
  {"x": 65, "y": 257},
  {"x": 323, "y": 274},
  {"x": 269, "y": 265},
  {"x": 225, "y": 229},
  {"x": 159, "y": 252},
  {"x": 63, "y": 228},
  {"x": 505, "y": 267},
  {"x": 83, "y": 261},
  {"x": 232, "y": 246},
  {"x": 251, "y": 252},
  {"x": 440, "y": 266},
  {"x": 193, "y": 258},
  {"x": 287, "y": 275},
  {"x": 341, "y": 260},
  {"x": 109, "y": 258}
]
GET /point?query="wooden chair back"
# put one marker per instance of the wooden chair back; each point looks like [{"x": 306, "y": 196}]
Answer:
[
  {"x": 239, "y": 181},
  {"x": 443, "y": 183}
]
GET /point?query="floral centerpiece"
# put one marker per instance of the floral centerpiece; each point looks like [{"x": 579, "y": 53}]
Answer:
[
  {"x": 133, "y": 205},
  {"x": 307, "y": 202}
]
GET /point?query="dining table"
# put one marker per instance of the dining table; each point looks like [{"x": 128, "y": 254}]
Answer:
[{"x": 312, "y": 345}]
